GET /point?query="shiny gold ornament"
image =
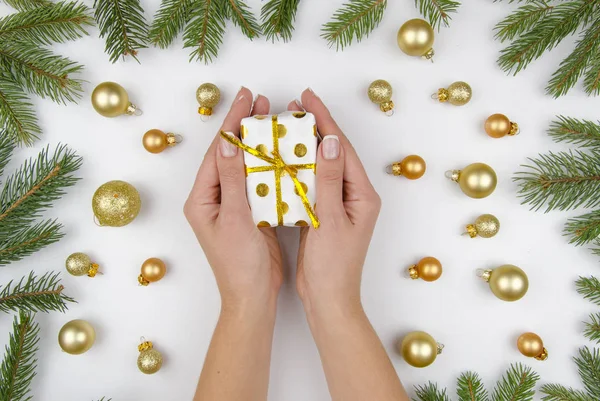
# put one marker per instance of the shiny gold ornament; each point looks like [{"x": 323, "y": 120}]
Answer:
[
  {"x": 411, "y": 167},
  {"x": 486, "y": 226},
  {"x": 116, "y": 203},
  {"x": 153, "y": 269},
  {"x": 498, "y": 125},
  {"x": 458, "y": 93},
  {"x": 76, "y": 337},
  {"x": 150, "y": 360},
  {"x": 380, "y": 92},
  {"x": 477, "y": 180},
  {"x": 419, "y": 349},
  {"x": 415, "y": 38},
  {"x": 428, "y": 269},
  {"x": 208, "y": 95},
  {"x": 532, "y": 346},
  {"x": 507, "y": 282},
  {"x": 111, "y": 100},
  {"x": 79, "y": 264},
  {"x": 155, "y": 141}
]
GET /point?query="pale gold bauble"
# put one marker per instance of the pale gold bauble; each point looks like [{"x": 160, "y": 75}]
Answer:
[
  {"x": 116, "y": 203},
  {"x": 76, "y": 337},
  {"x": 415, "y": 38},
  {"x": 419, "y": 349},
  {"x": 155, "y": 141},
  {"x": 150, "y": 360},
  {"x": 532, "y": 346},
  {"x": 412, "y": 167},
  {"x": 507, "y": 282},
  {"x": 428, "y": 269},
  {"x": 477, "y": 180},
  {"x": 380, "y": 92},
  {"x": 498, "y": 125},
  {"x": 79, "y": 263},
  {"x": 153, "y": 269},
  {"x": 486, "y": 226},
  {"x": 458, "y": 93},
  {"x": 208, "y": 96},
  {"x": 111, "y": 100}
]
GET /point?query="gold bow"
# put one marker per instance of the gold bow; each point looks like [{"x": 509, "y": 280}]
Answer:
[{"x": 278, "y": 166}]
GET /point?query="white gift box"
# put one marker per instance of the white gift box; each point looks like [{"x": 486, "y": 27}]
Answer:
[{"x": 290, "y": 141}]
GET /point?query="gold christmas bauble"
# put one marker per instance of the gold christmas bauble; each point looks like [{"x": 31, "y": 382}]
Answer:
[
  {"x": 150, "y": 360},
  {"x": 415, "y": 38},
  {"x": 76, "y": 337},
  {"x": 508, "y": 282},
  {"x": 458, "y": 93},
  {"x": 111, "y": 100},
  {"x": 532, "y": 346},
  {"x": 419, "y": 349},
  {"x": 208, "y": 96},
  {"x": 486, "y": 226},
  {"x": 116, "y": 203},
  {"x": 380, "y": 92},
  {"x": 155, "y": 141},
  {"x": 153, "y": 269},
  {"x": 411, "y": 167},
  {"x": 498, "y": 125},
  {"x": 428, "y": 269},
  {"x": 477, "y": 180},
  {"x": 79, "y": 264}
]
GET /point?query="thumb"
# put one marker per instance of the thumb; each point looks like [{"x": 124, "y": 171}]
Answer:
[
  {"x": 330, "y": 177},
  {"x": 232, "y": 176}
]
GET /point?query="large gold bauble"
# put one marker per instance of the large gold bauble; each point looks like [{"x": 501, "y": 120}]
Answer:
[
  {"x": 111, "y": 100},
  {"x": 419, "y": 349},
  {"x": 116, "y": 203},
  {"x": 153, "y": 269},
  {"x": 150, "y": 360},
  {"x": 486, "y": 226},
  {"x": 508, "y": 283},
  {"x": 208, "y": 96},
  {"x": 76, "y": 337},
  {"x": 79, "y": 263},
  {"x": 412, "y": 167},
  {"x": 477, "y": 180},
  {"x": 415, "y": 38},
  {"x": 155, "y": 141},
  {"x": 380, "y": 92},
  {"x": 532, "y": 346},
  {"x": 428, "y": 269},
  {"x": 458, "y": 93}
]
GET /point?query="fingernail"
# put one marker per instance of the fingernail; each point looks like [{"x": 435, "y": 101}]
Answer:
[
  {"x": 331, "y": 147},
  {"x": 312, "y": 91},
  {"x": 228, "y": 149},
  {"x": 299, "y": 104}
]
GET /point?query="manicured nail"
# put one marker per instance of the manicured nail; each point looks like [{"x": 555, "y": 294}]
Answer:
[
  {"x": 312, "y": 91},
  {"x": 299, "y": 104},
  {"x": 228, "y": 149},
  {"x": 331, "y": 147}
]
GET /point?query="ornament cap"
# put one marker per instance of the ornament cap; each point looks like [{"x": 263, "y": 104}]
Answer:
[
  {"x": 471, "y": 230},
  {"x": 205, "y": 111},
  {"x": 173, "y": 139},
  {"x": 387, "y": 108},
  {"x": 413, "y": 272},
  {"x": 485, "y": 274},
  {"x": 93, "y": 270},
  {"x": 543, "y": 356},
  {"x": 453, "y": 175},
  {"x": 143, "y": 281},
  {"x": 133, "y": 110},
  {"x": 514, "y": 129},
  {"x": 442, "y": 95},
  {"x": 440, "y": 348},
  {"x": 394, "y": 169},
  {"x": 429, "y": 55},
  {"x": 145, "y": 345}
]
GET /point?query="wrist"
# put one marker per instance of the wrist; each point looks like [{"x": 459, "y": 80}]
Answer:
[
  {"x": 333, "y": 310},
  {"x": 255, "y": 309}
]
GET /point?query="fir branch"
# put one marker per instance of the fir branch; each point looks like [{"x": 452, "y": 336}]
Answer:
[
  {"x": 33, "y": 294},
  {"x": 55, "y": 23},
  {"x": 241, "y": 16},
  {"x": 470, "y": 388},
  {"x": 6, "y": 148},
  {"x": 430, "y": 392},
  {"x": 522, "y": 20},
  {"x": 437, "y": 11},
  {"x": 592, "y": 328},
  {"x": 588, "y": 365},
  {"x": 556, "y": 392},
  {"x": 583, "y": 229},
  {"x": 584, "y": 133},
  {"x": 123, "y": 25},
  {"x": 16, "y": 113},
  {"x": 28, "y": 240},
  {"x": 18, "y": 366},
  {"x": 355, "y": 20},
  {"x": 278, "y": 18},
  {"x": 589, "y": 287},
  {"x": 26, "y": 4},
  {"x": 205, "y": 31},
  {"x": 518, "y": 383},
  {"x": 169, "y": 21},
  {"x": 591, "y": 81}
]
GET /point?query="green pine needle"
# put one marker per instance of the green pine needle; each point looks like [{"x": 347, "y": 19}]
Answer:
[
  {"x": 522, "y": 20},
  {"x": 583, "y": 229},
  {"x": 6, "y": 148},
  {"x": 355, "y": 20},
  {"x": 430, "y": 392},
  {"x": 592, "y": 328},
  {"x": 588, "y": 364},
  {"x": 33, "y": 294},
  {"x": 278, "y": 18},
  {"x": 470, "y": 388},
  {"x": 28, "y": 240},
  {"x": 518, "y": 383},
  {"x": 123, "y": 25},
  {"x": 589, "y": 287},
  {"x": 205, "y": 30},
  {"x": 437, "y": 11},
  {"x": 26, "y": 4},
  {"x": 169, "y": 21},
  {"x": 591, "y": 81},
  {"x": 556, "y": 392},
  {"x": 16, "y": 113},
  {"x": 583, "y": 133},
  {"x": 241, "y": 15}
]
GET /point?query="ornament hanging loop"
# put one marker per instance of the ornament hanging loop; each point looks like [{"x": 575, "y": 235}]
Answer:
[
  {"x": 133, "y": 110},
  {"x": 485, "y": 274},
  {"x": 97, "y": 222},
  {"x": 178, "y": 138},
  {"x": 452, "y": 175}
]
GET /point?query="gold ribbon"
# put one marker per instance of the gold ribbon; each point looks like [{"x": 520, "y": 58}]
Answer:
[{"x": 279, "y": 167}]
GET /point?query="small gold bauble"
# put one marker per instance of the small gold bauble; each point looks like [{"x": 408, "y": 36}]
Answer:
[
  {"x": 477, "y": 180},
  {"x": 507, "y": 282},
  {"x": 208, "y": 96},
  {"x": 419, "y": 349},
  {"x": 532, "y": 346},
  {"x": 116, "y": 203},
  {"x": 155, "y": 141},
  {"x": 79, "y": 264},
  {"x": 498, "y": 125},
  {"x": 380, "y": 92},
  {"x": 486, "y": 226},
  {"x": 76, "y": 337},
  {"x": 458, "y": 93},
  {"x": 411, "y": 167},
  {"x": 153, "y": 269},
  {"x": 415, "y": 38},
  {"x": 428, "y": 269},
  {"x": 150, "y": 360},
  {"x": 111, "y": 100}
]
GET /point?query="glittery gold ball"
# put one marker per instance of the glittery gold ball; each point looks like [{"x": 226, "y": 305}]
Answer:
[
  {"x": 110, "y": 99},
  {"x": 415, "y": 38},
  {"x": 459, "y": 93},
  {"x": 509, "y": 283},
  {"x": 149, "y": 361},
  {"x": 116, "y": 203},
  {"x": 419, "y": 349},
  {"x": 78, "y": 264},
  {"x": 208, "y": 96},
  {"x": 76, "y": 337},
  {"x": 380, "y": 91},
  {"x": 487, "y": 225},
  {"x": 477, "y": 180}
]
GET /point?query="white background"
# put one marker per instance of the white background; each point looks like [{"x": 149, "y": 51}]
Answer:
[{"x": 419, "y": 218}]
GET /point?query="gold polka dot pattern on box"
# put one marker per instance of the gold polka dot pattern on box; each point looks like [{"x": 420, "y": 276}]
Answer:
[
  {"x": 300, "y": 150},
  {"x": 301, "y": 223},
  {"x": 263, "y": 224},
  {"x": 259, "y": 117},
  {"x": 315, "y": 130},
  {"x": 299, "y": 114},
  {"x": 281, "y": 130},
  {"x": 262, "y": 190},
  {"x": 243, "y": 131},
  {"x": 304, "y": 187},
  {"x": 284, "y": 207},
  {"x": 262, "y": 149}
]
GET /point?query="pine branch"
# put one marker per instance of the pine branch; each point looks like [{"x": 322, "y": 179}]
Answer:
[
  {"x": 18, "y": 366},
  {"x": 241, "y": 15},
  {"x": 592, "y": 328},
  {"x": 169, "y": 21},
  {"x": 278, "y": 18},
  {"x": 437, "y": 11},
  {"x": 6, "y": 148},
  {"x": 588, "y": 364},
  {"x": 33, "y": 294},
  {"x": 583, "y": 229},
  {"x": 205, "y": 31},
  {"x": 26, "y": 4},
  {"x": 589, "y": 287},
  {"x": 522, "y": 20},
  {"x": 556, "y": 392},
  {"x": 355, "y": 20},
  {"x": 16, "y": 113},
  {"x": 591, "y": 81},
  {"x": 518, "y": 383},
  {"x": 430, "y": 392},
  {"x": 584, "y": 133},
  {"x": 29, "y": 240},
  {"x": 561, "y": 181},
  {"x": 470, "y": 388},
  {"x": 123, "y": 25}
]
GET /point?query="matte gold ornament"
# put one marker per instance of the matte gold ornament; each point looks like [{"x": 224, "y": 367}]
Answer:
[
  {"x": 415, "y": 38},
  {"x": 486, "y": 226},
  {"x": 208, "y": 95},
  {"x": 150, "y": 360},
  {"x": 477, "y": 180},
  {"x": 380, "y": 92},
  {"x": 116, "y": 204},
  {"x": 427, "y": 269},
  {"x": 411, "y": 167},
  {"x": 155, "y": 141},
  {"x": 507, "y": 282},
  {"x": 153, "y": 269},
  {"x": 458, "y": 93},
  {"x": 419, "y": 349},
  {"x": 79, "y": 263},
  {"x": 532, "y": 346},
  {"x": 76, "y": 337},
  {"x": 111, "y": 100},
  {"x": 498, "y": 125}
]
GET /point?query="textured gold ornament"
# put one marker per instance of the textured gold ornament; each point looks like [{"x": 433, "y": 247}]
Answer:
[
  {"x": 79, "y": 264},
  {"x": 498, "y": 125},
  {"x": 415, "y": 38},
  {"x": 155, "y": 141},
  {"x": 208, "y": 96},
  {"x": 427, "y": 269},
  {"x": 411, "y": 167},
  {"x": 380, "y": 92},
  {"x": 486, "y": 226},
  {"x": 507, "y": 282},
  {"x": 419, "y": 349},
  {"x": 150, "y": 360},
  {"x": 111, "y": 100},
  {"x": 532, "y": 346},
  {"x": 153, "y": 269},
  {"x": 76, "y": 337},
  {"x": 458, "y": 93},
  {"x": 116, "y": 203},
  {"x": 477, "y": 180}
]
